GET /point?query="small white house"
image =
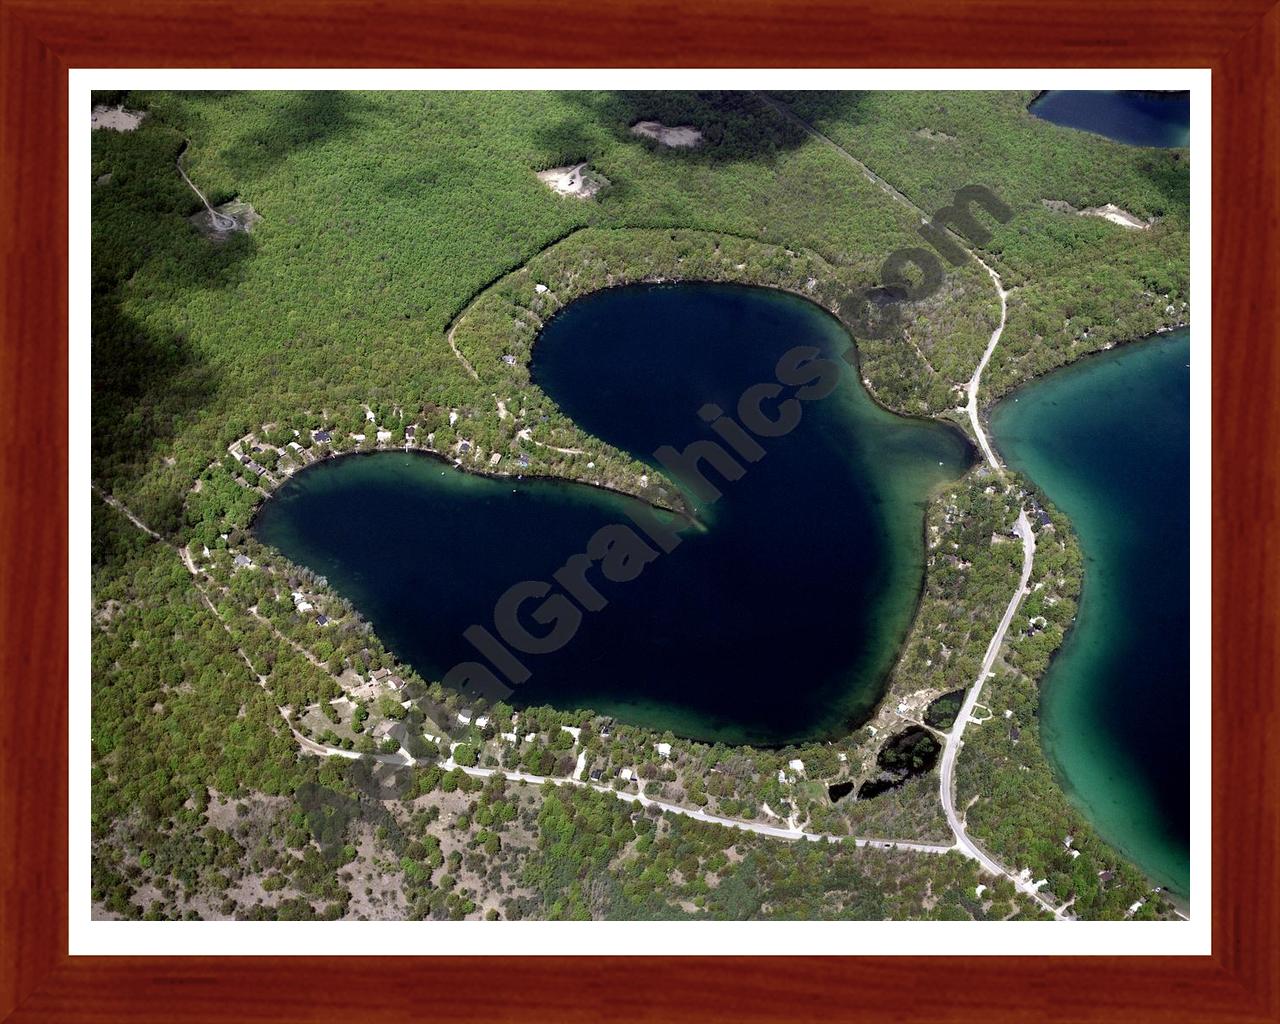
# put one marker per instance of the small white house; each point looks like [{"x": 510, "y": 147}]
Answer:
[
  {"x": 464, "y": 717},
  {"x": 384, "y": 435},
  {"x": 664, "y": 749},
  {"x": 626, "y": 775},
  {"x": 540, "y": 288},
  {"x": 796, "y": 765}
]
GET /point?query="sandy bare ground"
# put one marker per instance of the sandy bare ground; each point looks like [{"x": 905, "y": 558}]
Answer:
[
  {"x": 526, "y": 435},
  {"x": 1115, "y": 214},
  {"x": 579, "y": 181},
  {"x": 221, "y": 222},
  {"x": 681, "y": 136},
  {"x": 116, "y": 119},
  {"x": 218, "y": 222}
]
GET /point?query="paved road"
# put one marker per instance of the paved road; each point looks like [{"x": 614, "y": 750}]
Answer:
[{"x": 955, "y": 741}]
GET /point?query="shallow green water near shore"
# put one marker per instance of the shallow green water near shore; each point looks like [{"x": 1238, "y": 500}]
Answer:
[
  {"x": 1108, "y": 442},
  {"x": 777, "y": 620}
]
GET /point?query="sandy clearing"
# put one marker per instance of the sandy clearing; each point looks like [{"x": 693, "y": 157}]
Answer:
[
  {"x": 578, "y": 181},
  {"x": 526, "y": 435},
  {"x": 116, "y": 119},
  {"x": 681, "y": 136},
  {"x": 221, "y": 222},
  {"x": 1115, "y": 214}
]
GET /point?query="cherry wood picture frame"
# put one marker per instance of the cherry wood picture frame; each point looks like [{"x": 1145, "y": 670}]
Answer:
[{"x": 41, "y": 39}]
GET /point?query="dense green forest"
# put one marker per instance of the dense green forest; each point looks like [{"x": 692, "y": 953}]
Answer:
[
  {"x": 1076, "y": 283},
  {"x": 406, "y": 246}
]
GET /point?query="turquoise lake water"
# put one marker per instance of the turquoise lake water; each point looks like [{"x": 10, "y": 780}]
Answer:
[
  {"x": 776, "y": 620},
  {"x": 1108, "y": 441}
]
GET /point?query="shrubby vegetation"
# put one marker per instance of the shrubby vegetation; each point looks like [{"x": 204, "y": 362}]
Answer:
[
  {"x": 1077, "y": 283},
  {"x": 395, "y": 224},
  {"x": 603, "y": 859}
]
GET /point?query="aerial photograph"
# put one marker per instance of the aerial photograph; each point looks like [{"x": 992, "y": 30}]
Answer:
[{"x": 640, "y": 505}]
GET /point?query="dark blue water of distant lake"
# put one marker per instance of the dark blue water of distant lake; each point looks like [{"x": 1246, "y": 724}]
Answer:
[
  {"x": 775, "y": 621},
  {"x": 1136, "y": 118}
]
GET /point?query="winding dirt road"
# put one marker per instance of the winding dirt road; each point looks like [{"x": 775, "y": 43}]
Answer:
[
  {"x": 403, "y": 759},
  {"x": 976, "y": 379},
  {"x": 219, "y": 220}
]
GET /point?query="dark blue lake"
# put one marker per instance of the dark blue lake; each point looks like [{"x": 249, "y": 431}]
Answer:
[
  {"x": 1137, "y": 118},
  {"x": 777, "y": 618}
]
